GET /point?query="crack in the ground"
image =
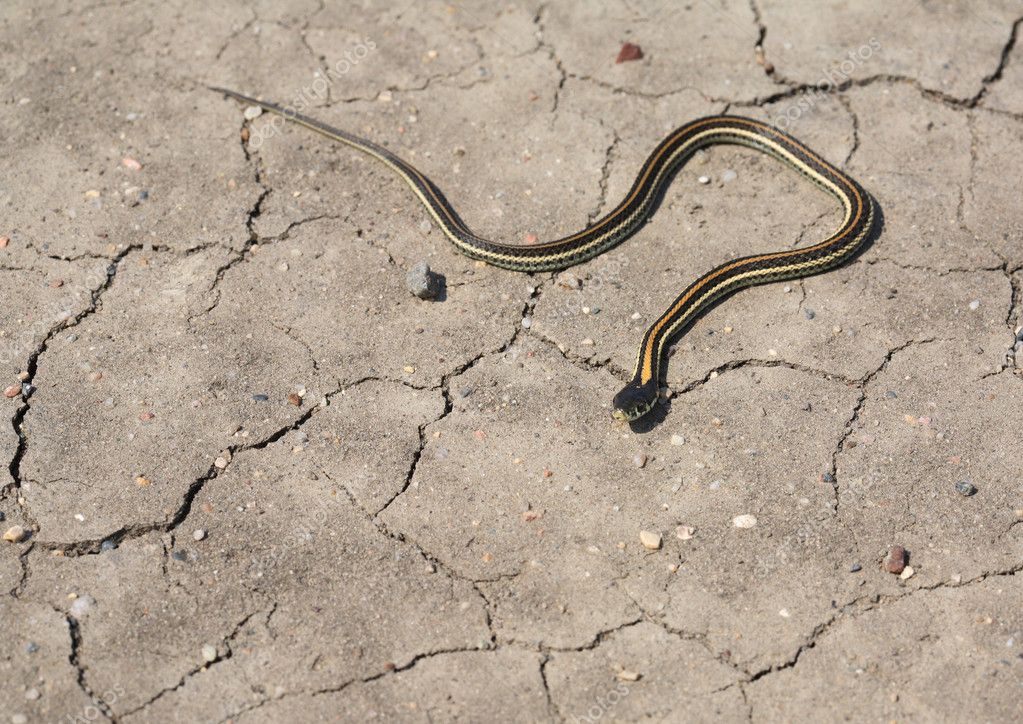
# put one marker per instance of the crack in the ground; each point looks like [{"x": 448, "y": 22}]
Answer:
[
  {"x": 850, "y": 423},
  {"x": 862, "y": 605},
  {"x": 205, "y": 666},
  {"x": 445, "y": 388},
  {"x": 250, "y": 224},
  {"x": 1003, "y": 60},
  {"x": 74, "y": 658},
  {"x": 31, "y": 368},
  {"x": 605, "y": 174}
]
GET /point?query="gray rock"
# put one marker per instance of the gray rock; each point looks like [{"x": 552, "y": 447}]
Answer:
[{"x": 423, "y": 282}]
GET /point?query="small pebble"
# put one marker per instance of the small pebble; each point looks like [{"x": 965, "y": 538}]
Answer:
[
  {"x": 587, "y": 342},
  {"x": 906, "y": 572},
  {"x": 568, "y": 280},
  {"x": 209, "y": 653},
  {"x": 626, "y": 675},
  {"x": 809, "y": 313},
  {"x": 729, "y": 175},
  {"x": 895, "y": 561},
  {"x": 131, "y": 163},
  {"x": 198, "y": 534},
  {"x": 965, "y": 488},
  {"x": 15, "y": 534},
  {"x": 685, "y": 532},
  {"x": 107, "y": 545},
  {"x": 19, "y": 719},
  {"x": 891, "y": 394},
  {"x": 295, "y": 399},
  {"x": 704, "y": 179},
  {"x": 252, "y": 113},
  {"x": 629, "y": 52},
  {"x": 678, "y": 440},
  {"x": 744, "y": 521},
  {"x": 81, "y": 607},
  {"x": 31, "y": 647},
  {"x": 465, "y": 392},
  {"x": 975, "y": 305},
  {"x": 32, "y": 694},
  {"x": 856, "y": 568},
  {"x": 651, "y": 541},
  {"x": 639, "y": 460},
  {"x": 12, "y": 391},
  {"x": 527, "y": 322},
  {"x": 4, "y": 241},
  {"x": 260, "y": 398},
  {"x": 423, "y": 282}
]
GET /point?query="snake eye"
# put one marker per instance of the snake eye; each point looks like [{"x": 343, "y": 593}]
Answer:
[{"x": 634, "y": 401}]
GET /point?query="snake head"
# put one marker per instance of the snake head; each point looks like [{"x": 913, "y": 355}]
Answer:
[{"x": 634, "y": 401}]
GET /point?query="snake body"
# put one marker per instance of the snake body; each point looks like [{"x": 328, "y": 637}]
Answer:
[{"x": 639, "y": 396}]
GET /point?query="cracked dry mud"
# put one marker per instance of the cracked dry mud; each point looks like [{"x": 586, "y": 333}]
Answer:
[{"x": 263, "y": 482}]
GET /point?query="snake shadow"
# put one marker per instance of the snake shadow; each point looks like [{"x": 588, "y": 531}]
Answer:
[{"x": 660, "y": 413}]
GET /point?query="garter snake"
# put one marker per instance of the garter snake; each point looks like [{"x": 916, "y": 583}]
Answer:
[{"x": 639, "y": 396}]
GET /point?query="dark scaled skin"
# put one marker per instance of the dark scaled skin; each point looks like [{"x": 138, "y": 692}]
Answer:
[{"x": 634, "y": 400}]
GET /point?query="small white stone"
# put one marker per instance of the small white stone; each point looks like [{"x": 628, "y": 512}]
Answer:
[
  {"x": 252, "y": 113},
  {"x": 79, "y": 517},
  {"x": 729, "y": 175},
  {"x": 685, "y": 532},
  {"x": 975, "y": 305},
  {"x": 907, "y": 572},
  {"x": 198, "y": 534},
  {"x": 704, "y": 179},
  {"x": 678, "y": 440},
  {"x": 32, "y": 694},
  {"x": 784, "y": 613},
  {"x": 650, "y": 540},
  {"x": 744, "y": 521},
  {"x": 527, "y": 322},
  {"x": 81, "y": 607},
  {"x": 209, "y": 653},
  {"x": 15, "y": 534}
]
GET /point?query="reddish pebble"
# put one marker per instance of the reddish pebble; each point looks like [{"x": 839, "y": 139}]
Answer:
[
  {"x": 4, "y": 241},
  {"x": 480, "y": 435},
  {"x": 547, "y": 473},
  {"x": 629, "y": 52},
  {"x": 245, "y": 135},
  {"x": 295, "y": 399},
  {"x": 895, "y": 561},
  {"x": 12, "y": 391},
  {"x": 531, "y": 238},
  {"x": 146, "y": 416},
  {"x": 131, "y": 163},
  {"x": 56, "y": 283}
]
